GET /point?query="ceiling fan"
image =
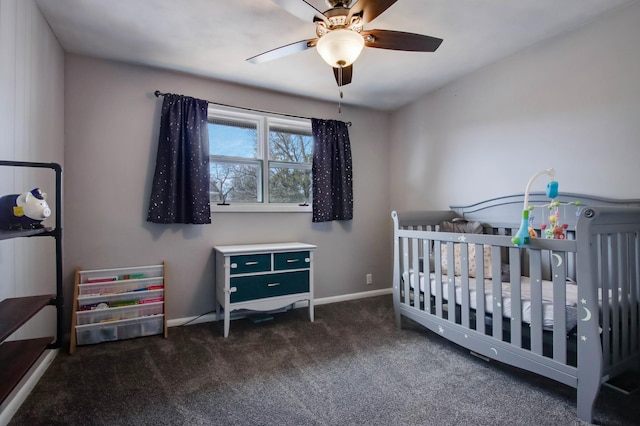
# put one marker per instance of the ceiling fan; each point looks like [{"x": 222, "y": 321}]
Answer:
[{"x": 341, "y": 35}]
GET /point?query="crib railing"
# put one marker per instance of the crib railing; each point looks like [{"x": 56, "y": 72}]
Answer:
[
  {"x": 424, "y": 250},
  {"x": 609, "y": 239}
]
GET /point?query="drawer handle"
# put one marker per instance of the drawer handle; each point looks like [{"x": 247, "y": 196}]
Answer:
[
  {"x": 273, "y": 284},
  {"x": 292, "y": 260},
  {"x": 251, "y": 263}
]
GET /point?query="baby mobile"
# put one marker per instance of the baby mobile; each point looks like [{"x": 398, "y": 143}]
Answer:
[{"x": 555, "y": 229}]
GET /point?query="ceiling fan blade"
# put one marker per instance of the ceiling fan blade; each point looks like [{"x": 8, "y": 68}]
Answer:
[
  {"x": 347, "y": 74},
  {"x": 370, "y": 9},
  {"x": 302, "y": 9},
  {"x": 398, "y": 40},
  {"x": 282, "y": 51}
]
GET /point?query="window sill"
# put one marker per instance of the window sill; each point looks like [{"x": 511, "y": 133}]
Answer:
[{"x": 260, "y": 208}]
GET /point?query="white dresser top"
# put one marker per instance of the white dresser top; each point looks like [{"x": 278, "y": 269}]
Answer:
[{"x": 259, "y": 248}]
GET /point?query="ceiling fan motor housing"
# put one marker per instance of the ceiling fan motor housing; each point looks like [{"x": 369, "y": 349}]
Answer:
[
  {"x": 338, "y": 18},
  {"x": 338, "y": 3}
]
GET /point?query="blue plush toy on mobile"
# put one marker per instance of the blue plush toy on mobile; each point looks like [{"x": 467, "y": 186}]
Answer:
[
  {"x": 552, "y": 188},
  {"x": 524, "y": 233}
]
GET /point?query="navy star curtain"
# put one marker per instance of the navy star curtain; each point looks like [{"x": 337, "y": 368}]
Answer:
[
  {"x": 332, "y": 171},
  {"x": 180, "y": 188}
]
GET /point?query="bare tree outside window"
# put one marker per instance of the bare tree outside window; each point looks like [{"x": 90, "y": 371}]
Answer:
[
  {"x": 289, "y": 169},
  {"x": 234, "y": 182}
]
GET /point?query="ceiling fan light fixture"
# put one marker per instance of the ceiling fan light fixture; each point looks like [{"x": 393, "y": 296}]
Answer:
[{"x": 340, "y": 48}]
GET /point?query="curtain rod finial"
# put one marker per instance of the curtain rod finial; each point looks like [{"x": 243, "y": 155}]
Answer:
[{"x": 157, "y": 93}]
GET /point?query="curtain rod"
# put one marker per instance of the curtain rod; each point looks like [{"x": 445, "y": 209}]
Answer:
[{"x": 159, "y": 93}]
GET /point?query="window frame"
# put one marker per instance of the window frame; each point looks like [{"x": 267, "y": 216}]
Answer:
[{"x": 263, "y": 123}]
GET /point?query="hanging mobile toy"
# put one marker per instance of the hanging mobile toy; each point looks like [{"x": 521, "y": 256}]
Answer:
[
  {"x": 524, "y": 233},
  {"x": 553, "y": 229},
  {"x": 556, "y": 230}
]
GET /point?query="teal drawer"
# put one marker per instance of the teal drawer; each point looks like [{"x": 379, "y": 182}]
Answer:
[
  {"x": 249, "y": 263},
  {"x": 291, "y": 260},
  {"x": 271, "y": 285}
]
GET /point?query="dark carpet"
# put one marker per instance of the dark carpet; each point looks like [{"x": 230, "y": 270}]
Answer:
[{"x": 349, "y": 367}]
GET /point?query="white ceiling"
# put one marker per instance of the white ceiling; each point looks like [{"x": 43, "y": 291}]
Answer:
[{"x": 212, "y": 38}]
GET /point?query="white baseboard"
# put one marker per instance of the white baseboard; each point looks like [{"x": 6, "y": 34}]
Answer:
[
  {"x": 22, "y": 390},
  {"x": 352, "y": 296},
  {"x": 211, "y": 316}
]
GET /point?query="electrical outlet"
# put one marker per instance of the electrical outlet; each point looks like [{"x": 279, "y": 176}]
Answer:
[{"x": 369, "y": 278}]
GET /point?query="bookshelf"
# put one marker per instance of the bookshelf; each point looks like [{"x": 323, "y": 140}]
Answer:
[{"x": 118, "y": 303}]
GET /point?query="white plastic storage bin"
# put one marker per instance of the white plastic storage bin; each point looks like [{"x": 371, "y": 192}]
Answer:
[
  {"x": 118, "y": 303},
  {"x": 106, "y": 275},
  {"x": 117, "y": 330},
  {"x": 120, "y": 313},
  {"x": 120, "y": 286},
  {"x": 87, "y": 303}
]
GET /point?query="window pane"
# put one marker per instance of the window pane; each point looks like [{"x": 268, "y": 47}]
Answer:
[
  {"x": 288, "y": 185},
  {"x": 235, "y": 182},
  {"x": 289, "y": 145},
  {"x": 234, "y": 139}
]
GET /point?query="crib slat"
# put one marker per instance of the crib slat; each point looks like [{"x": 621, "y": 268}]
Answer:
[
  {"x": 535, "y": 266},
  {"x": 415, "y": 265},
  {"x": 405, "y": 269},
  {"x": 516, "y": 296},
  {"x": 624, "y": 292},
  {"x": 438, "y": 281},
  {"x": 558, "y": 270},
  {"x": 463, "y": 273},
  {"x": 450, "y": 303},
  {"x": 480, "y": 298},
  {"x": 603, "y": 277},
  {"x": 497, "y": 292},
  {"x": 426, "y": 251},
  {"x": 496, "y": 289},
  {"x": 464, "y": 302},
  {"x": 634, "y": 291},
  {"x": 614, "y": 285}
]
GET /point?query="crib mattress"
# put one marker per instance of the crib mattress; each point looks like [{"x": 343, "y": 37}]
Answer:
[{"x": 547, "y": 297}]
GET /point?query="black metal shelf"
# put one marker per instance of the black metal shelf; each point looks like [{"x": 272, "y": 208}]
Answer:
[{"x": 17, "y": 357}]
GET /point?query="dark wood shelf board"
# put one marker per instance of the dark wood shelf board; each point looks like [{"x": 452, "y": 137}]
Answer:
[
  {"x": 14, "y": 312},
  {"x": 16, "y": 358},
  {"x": 5, "y": 235}
]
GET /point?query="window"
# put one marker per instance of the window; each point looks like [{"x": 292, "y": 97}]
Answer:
[{"x": 258, "y": 162}]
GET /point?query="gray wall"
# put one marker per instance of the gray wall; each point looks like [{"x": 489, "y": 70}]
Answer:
[
  {"x": 31, "y": 123},
  {"x": 572, "y": 103},
  {"x": 111, "y": 124}
]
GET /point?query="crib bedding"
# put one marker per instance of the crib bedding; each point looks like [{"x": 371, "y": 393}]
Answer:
[{"x": 571, "y": 302}]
